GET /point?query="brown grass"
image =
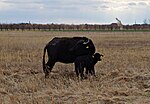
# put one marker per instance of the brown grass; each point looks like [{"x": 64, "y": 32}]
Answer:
[{"x": 123, "y": 76}]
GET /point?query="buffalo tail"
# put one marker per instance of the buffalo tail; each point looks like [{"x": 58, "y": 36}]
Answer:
[{"x": 44, "y": 67}]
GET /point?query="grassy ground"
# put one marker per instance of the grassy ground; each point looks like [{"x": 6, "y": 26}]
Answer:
[{"x": 123, "y": 76}]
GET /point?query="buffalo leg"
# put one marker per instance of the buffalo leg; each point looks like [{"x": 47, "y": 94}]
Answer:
[
  {"x": 92, "y": 71},
  {"x": 49, "y": 67},
  {"x": 77, "y": 70},
  {"x": 81, "y": 72},
  {"x": 46, "y": 71},
  {"x": 86, "y": 71}
]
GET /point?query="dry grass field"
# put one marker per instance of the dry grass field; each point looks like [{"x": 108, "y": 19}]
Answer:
[{"x": 123, "y": 76}]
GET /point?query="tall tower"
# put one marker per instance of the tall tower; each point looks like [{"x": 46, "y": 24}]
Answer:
[{"x": 119, "y": 24}]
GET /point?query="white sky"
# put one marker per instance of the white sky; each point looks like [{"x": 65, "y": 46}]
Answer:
[{"x": 74, "y": 11}]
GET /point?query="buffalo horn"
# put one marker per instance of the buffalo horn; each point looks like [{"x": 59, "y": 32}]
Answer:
[{"x": 86, "y": 42}]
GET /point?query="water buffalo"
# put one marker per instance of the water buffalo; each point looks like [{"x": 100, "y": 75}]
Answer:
[
  {"x": 66, "y": 50},
  {"x": 88, "y": 62}
]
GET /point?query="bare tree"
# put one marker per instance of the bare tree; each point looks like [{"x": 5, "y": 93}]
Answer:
[{"x": 145, "y": 21}]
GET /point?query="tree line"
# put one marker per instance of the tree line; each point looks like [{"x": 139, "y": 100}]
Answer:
[{"x": 61, "y": 27}]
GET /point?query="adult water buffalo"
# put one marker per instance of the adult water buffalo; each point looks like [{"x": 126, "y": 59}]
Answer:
[{"x": 66, "y": 50}]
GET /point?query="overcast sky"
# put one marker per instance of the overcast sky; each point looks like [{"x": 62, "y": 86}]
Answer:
[{"x": 74, "y": 11}]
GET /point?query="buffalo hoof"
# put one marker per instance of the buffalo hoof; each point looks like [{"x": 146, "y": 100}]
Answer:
[
  {"x": 85, "y": 77},
  {"x": 46, "y": 76},
  {"x": 95, "y": 76}
]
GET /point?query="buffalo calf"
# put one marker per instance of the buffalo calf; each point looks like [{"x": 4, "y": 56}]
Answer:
[{"x": 88, "y": 62}]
